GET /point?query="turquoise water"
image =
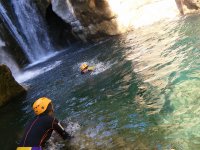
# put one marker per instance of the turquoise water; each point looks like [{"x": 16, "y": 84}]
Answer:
[{"x": 144, "y": 93}]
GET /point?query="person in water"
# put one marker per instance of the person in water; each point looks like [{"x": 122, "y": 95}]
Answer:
[
  {"x": 85, "y": 68},
  {"x": 40, "y": 128}
]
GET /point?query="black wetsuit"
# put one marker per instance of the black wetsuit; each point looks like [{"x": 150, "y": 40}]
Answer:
[
  {"x": 39, "y": 130},
  {"x": 82, "y": 72}
]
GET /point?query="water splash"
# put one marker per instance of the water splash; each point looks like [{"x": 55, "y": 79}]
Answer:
[
  {"x": 30, "y": 74},
  {"x": 99, "y": 66},
  {"x": 55, "y": 142},
  {"x": 43, "y": 59}
]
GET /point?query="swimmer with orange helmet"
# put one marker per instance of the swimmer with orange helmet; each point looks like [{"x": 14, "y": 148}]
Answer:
[
  {"x": 84, "y": 68},
  {"x": 40, "y": 128}
]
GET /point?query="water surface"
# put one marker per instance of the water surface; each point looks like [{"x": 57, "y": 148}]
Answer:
[{"x": 144, "y": 93}]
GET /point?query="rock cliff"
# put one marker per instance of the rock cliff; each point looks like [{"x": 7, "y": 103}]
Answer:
[
  {"x": 11, "y": 46},
  {"x": 9, "y": 88},
  {"x": 188, "y": 6},
  {"x": 96, "y": 18}
]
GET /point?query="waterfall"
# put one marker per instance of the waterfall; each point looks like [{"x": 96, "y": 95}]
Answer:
[
  {"x": 12, "y": 28},
  {"x": 29, "y": 29}
]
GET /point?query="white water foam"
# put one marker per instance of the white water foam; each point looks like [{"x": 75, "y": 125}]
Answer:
[
  {"x": 43, "y": 59},
  {"x": 30, "y": 74},
  {"x": 56, "y": 143},
  {"x": 99, "y": 66}
]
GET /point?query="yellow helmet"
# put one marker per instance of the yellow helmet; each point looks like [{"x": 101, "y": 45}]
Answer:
[
  {"x": 83, "y": 66},
  {"x": 40, "y": 105}
]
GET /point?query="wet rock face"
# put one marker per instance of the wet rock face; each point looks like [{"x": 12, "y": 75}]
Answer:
[
  {"x": 92, "y": 11},
  {"x": 42, "y": 5},
  {"x": 88, "y": 17},
  {"x": 11, "y": 46},
  {"x": 60, "y": 31},
  {"x": 188, "y": 6},
  {"x": 9, "y": 88},
  {"x": 192, "y": 4},
  {"x": 97, "y": 18}
]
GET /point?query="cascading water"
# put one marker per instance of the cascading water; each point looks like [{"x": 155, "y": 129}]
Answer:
[
  {"x": 30, "y": 30},
  {"x": 22, "y": 19},
  {"x": 33, "y": 28},
  {"x": 15, "y": 33}
]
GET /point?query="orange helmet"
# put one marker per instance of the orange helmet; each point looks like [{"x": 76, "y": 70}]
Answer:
[
  {"x": 40, "y": 105},
  {"x": 83, "y": 66}
]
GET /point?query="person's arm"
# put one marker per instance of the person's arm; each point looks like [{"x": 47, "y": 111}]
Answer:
[
  {"x": 91, "y": 68},
  {"x": 60, "y": 130}
]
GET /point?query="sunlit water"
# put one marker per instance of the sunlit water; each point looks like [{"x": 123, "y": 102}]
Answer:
[{"x": 144, "y": 94}]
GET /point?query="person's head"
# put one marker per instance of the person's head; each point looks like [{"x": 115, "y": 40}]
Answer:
[
  {"x": 83, "y": 67},
  {"x": 43, "y": 105}
]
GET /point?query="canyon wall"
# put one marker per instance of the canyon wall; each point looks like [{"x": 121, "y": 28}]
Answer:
[{"x": 96, "y": 18}]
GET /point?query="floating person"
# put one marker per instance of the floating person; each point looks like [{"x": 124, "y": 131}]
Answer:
[
  {"x": 85, "y": 68},
  {"x": 40, "y": 128}
]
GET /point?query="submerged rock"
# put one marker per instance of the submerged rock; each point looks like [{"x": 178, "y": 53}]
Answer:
[{"x": 9, "y": 88}]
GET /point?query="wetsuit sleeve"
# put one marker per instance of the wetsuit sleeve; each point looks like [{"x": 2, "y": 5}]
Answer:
[
  {"x": 91, "y": 68},
  {"x": 60, "y": 130}
]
